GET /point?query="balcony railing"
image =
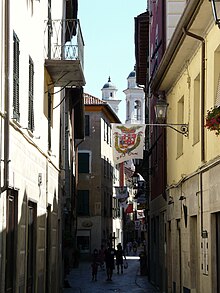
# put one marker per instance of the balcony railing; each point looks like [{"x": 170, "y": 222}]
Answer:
[{"x": 64, "y": 40}]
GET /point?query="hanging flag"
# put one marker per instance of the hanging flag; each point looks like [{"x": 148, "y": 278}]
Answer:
[
  {"x": 129, "y": 209},
  {"x": 137, "y": 225},
  {"x": 128, "y": 141},
  {"x": 121, "y": 192},
  {"x": 123, "y": 202},
  {"x": 140, "y": 214}
]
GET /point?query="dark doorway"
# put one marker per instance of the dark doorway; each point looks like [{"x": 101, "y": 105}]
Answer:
[
  {"x": 31, "y": 249},
  {"x": 218, "y": 250},
  {"x": 11, "y": 240},
  {"x": 48, "y": 253}
]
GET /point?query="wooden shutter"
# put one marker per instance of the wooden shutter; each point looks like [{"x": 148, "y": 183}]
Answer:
[
  {"x": 16, "y": 52},
  {"x": 31, "y": 96}
]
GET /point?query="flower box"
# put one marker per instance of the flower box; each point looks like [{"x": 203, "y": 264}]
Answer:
[{"x": 213, "y": 120}]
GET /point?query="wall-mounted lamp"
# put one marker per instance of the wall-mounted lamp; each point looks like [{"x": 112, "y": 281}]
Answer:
[
  {"x": 39, "y": 179},
  {"x": 170, "y": 201},
  {"x": 135, "y": 179},
  {"x": 182, "y": 197},
  {"x": 215, "y": 12},
  {"x": 161, "y": 114}
]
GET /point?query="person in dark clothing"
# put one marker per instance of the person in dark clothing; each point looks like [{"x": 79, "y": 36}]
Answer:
[
  {"x": 119, "y": 258},
  {"x": 95, "y": 264},
  {"x": 109, "y": 261}
]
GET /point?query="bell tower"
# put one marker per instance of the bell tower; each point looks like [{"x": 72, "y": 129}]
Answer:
[
  {"x": 109, "y": 95},
  {"x": 135, "y": 101}
]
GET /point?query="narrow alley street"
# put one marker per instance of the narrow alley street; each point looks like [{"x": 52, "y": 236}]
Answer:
[{"x": 80, "y": 280}]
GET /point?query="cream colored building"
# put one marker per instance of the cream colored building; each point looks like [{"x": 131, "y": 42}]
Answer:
[
  {"x": 189, "y": 77},
  {"x": 30, "y": 80}
]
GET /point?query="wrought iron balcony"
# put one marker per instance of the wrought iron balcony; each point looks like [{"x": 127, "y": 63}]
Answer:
[{"x": 64, "y": 52}]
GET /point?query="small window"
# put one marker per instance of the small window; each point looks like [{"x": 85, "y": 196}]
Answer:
[
  {"x": 83, "y": 165},
  {"x": 83, "y": 203},
  {"x": 87, "y": 125}
]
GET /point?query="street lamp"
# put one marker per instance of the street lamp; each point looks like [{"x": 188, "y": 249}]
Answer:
[
  {"x": 161, "y": 113},
  {"x": 161, "y": 110},
  {"x": 135, "y": 179},
  {"x": 214, "y": 11}
]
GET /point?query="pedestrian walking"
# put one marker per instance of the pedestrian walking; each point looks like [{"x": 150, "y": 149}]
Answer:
[
  {"x": 109, "y": 261},
  {"x": 134, "y": 247},
  {"x": 119, "y": 258},
  {"x": 102, "y": 257},
  {"x": 95, "y": 264}
]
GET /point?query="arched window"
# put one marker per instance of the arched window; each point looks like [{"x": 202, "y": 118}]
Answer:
[
  {"x": 128, "y": 110},
  {"x": 137, "y": 110}
]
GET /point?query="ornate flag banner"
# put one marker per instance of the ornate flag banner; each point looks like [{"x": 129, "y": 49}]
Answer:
[
  {"x": 121, "y": 192},
  {"x": 128, "y": 141}
]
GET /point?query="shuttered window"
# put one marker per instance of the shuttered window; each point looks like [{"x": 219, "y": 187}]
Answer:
[
  {"x": 31, "y": 96},
  {"x": 83, "y": 203},
  {"x": 16, "y": 52},
  {"x": 217, "y": 100}
]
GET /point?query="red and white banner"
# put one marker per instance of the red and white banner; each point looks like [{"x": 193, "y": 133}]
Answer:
[
  {"x": 129, "y": 209},
  {"x": 140, "y": 214},
  {"x": 128, "y": 141}
]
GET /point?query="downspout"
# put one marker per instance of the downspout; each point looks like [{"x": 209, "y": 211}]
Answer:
[
  {"x": 201, "y": 39},
  {"x": 6, "y": 96}
]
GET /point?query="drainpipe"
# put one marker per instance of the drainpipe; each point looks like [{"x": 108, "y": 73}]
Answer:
[
  {"x": 201, "y": 39},
  {"x": 6, "y": 101}
]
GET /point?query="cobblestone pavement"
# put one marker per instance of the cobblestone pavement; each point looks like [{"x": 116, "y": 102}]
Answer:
[{"x": 130, "y": 281}]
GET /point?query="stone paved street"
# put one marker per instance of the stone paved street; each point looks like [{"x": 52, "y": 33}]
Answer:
[{"x": 80, "y": 280}]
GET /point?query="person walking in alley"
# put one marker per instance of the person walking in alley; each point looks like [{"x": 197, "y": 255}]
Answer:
[
  {"x": 109, "y": 261},
  {"x": 119, "y": 258},
  {"x": 95, "y": 264}
]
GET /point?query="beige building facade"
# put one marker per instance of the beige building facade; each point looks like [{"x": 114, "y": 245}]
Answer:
[{"x": 97, "y": 177}]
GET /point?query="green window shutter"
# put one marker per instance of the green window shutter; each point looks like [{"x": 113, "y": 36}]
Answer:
[
  {"x": 16, "y": 52},
  {"x": 31, "y": 96}
]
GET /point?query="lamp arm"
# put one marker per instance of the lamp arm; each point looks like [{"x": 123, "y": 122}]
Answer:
[{"x": 184, "y": 127}]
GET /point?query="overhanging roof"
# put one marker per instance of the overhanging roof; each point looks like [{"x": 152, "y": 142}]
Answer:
[{"x": 196, "y": 18}]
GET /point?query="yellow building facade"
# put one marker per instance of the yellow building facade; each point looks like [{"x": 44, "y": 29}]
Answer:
[{"x": 189, "y": 77}]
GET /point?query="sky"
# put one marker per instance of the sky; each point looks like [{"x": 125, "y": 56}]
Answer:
[{"x": 108, "y": 33}]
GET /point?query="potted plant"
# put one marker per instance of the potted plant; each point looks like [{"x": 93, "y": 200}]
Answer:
[{"x": 213, "y": 120}]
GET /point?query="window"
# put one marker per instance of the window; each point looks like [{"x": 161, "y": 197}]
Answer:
[
  {"x": 105, "y": 166},
  {"x": 110, "y": 139},
  {"x": 217, "y": 77},
  {"x": 83, "y": 203},
  {"x": 115, "y": 208},
  {"x": 128, "y": 110},
  {"x": 180, "y": 119},
  {"x": 196, "y": 120},
  {"x": 84, "y": 162},
  {"x": 83, "y": 240},
  {"x": 49, "y": 120},
  {"x": 16, "y": 52},
  {"x": 137, "y": 107},
  {"x": 31, "y": 96},
  {"x": 87, "y": 125}
]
